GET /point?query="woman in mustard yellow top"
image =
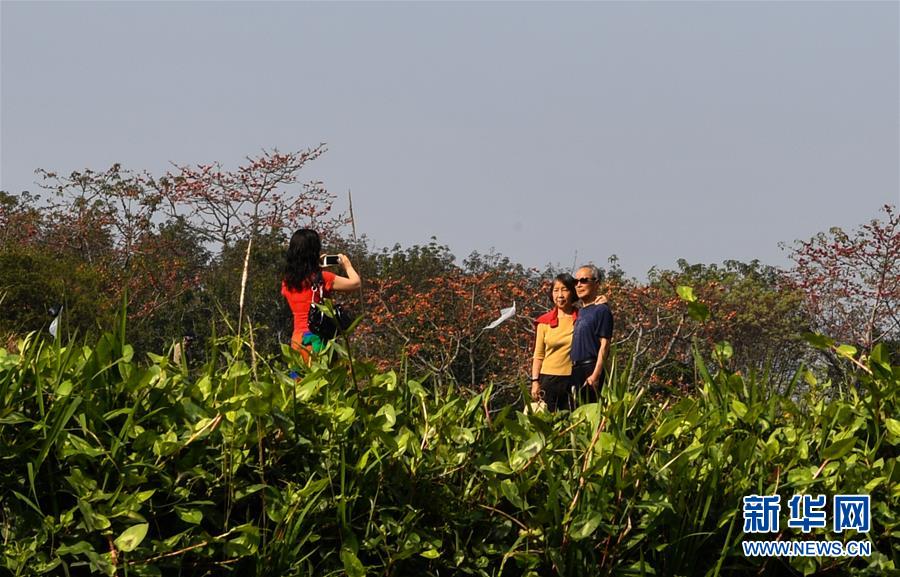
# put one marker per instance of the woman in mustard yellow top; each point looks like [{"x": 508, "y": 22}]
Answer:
[{"x": 551, "y": 368}]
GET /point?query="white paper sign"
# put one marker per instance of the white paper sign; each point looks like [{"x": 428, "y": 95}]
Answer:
[
  {"x": 505, "y": 314},
  {"x": 55, "y": 324}
]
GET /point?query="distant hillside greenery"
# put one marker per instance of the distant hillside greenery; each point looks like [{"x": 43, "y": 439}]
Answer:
[{"x": 160, "y": 430}]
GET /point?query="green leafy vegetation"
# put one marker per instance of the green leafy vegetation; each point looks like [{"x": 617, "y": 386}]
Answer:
[{"x": 125, "y": 466}]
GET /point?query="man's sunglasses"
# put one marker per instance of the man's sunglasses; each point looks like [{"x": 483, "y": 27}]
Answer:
[{"x": 584, "y": 280}]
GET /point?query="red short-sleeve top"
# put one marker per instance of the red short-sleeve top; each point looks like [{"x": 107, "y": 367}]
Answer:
[{"x": 299, "y": 302}]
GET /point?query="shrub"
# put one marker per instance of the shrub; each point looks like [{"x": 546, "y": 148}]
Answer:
[{"x": 117, "y": 466}]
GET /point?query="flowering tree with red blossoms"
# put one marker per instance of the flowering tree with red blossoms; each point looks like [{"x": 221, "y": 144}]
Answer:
[
  {"x": 423, "y": 307},
  {"x": 263, "y": 195},
  {"x": 20, "y": 221},
  {"x": 99, "y": 214},
  {"x": 852, "y": 281}
]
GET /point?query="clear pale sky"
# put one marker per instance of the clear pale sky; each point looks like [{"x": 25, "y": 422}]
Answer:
[{"x": 651, "y": 130}]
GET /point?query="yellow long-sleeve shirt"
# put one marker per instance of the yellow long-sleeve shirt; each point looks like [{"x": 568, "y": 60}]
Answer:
[{"x": 553, "y": 345}]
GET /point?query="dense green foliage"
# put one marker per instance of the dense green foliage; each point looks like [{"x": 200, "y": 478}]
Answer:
[{"x": 115, "y": 465}]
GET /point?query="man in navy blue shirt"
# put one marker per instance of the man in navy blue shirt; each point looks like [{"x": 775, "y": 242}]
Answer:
[{"x": 593, "y": 331}]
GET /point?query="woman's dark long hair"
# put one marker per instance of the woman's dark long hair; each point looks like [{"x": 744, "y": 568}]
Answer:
[{"x": 302, "y": 261}]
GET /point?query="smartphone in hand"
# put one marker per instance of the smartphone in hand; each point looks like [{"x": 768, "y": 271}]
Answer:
[{"x": 330, "y": 260}]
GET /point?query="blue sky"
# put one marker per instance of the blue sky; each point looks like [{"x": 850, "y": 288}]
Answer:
[{"x": 550, "y": 132}]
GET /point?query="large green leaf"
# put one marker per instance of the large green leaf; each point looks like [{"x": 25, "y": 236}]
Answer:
[
  {"x": 132, "y": 537},
  {"x": 58, "y": 423},
  {"x": 81, "y": 547},
  {"x": 352, "y": 565},
  {"x": 584, "y": 525},
  {"x": 610, "y": 443},
  {"x": 686, "y": 293},
  {"x": 698, "y": 311},
  {"x": 839, "y": 448},
  {"x": 511, "y": 492},
  {"x": 192, "y": 516},
  {"x": 388, "y": 417},
  {"x": 893, "y": 426},
  {"x": 526, "y": 451},
  {"x": 498, "y": 467}
]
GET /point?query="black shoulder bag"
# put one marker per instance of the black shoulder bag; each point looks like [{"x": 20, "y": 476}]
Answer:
[{"x": 319, "y": 322}]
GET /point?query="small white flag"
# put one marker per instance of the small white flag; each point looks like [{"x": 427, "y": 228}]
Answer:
[
  {"x": 55, "y": 324},
  {"x": 505, "y": 314}
]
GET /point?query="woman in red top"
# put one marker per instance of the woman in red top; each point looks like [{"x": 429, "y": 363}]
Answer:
[{"x": 301, "y": 272}]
